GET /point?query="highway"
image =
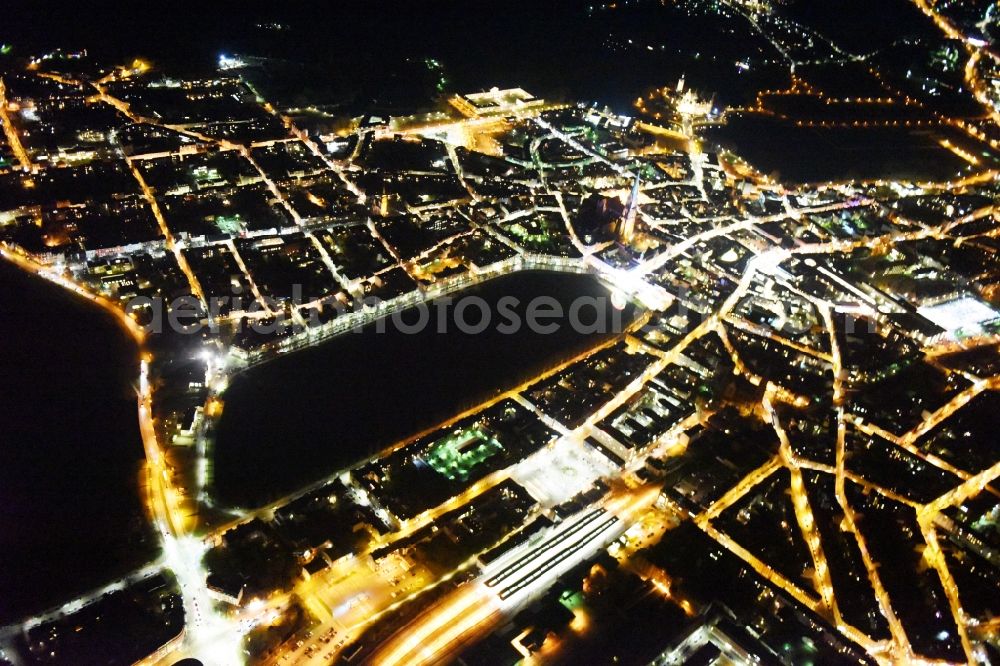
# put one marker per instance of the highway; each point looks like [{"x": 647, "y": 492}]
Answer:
[
  {"x": 975, "y": 50},
  {"x": 10, "y": 131}
]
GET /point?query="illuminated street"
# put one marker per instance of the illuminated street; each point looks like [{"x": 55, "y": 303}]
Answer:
[{"x": 687, "y": 351}]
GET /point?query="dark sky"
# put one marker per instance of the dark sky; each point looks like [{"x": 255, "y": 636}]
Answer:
[
  {"x": 181, "y": 26},
  {"x": 372, "y": 48}
]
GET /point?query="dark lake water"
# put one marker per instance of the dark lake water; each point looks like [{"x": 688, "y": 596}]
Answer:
[
  {"x": 299, "y": 418},
  {"x": 70, "y": 452}
]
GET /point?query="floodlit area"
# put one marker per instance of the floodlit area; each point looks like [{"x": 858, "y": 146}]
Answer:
[
  {"x": 560, "y": 471},
  {"x": 960, "y": 317}
]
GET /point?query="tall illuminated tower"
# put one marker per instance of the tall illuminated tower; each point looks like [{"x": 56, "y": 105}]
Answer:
[{"x": 627, "y": 228}]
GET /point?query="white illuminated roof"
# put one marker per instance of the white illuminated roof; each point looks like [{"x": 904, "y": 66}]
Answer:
[{"x": 966, "y": 314}]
